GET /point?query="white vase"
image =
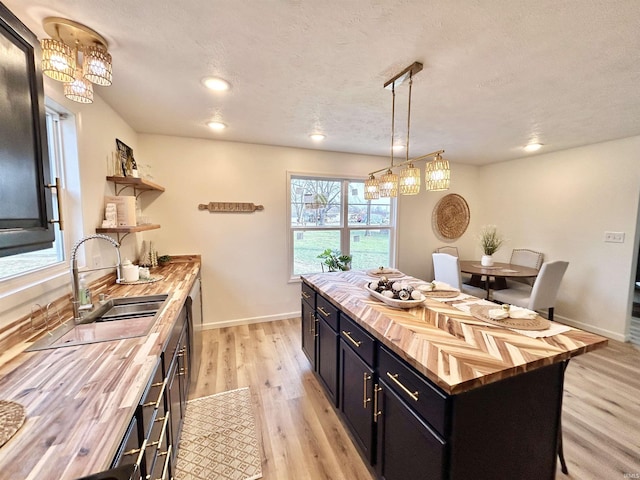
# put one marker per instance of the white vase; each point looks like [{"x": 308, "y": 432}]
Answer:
[{"x": 486, "y": 261}]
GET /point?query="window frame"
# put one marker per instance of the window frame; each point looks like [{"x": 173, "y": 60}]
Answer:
[{"x": 345, "y": 228}]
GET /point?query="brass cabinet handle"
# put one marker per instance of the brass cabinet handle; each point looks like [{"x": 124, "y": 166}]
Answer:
[
  {"x": 376, "y": 411},
  {"x": 305, "y": 295},
  {"x": 394, "y": 377},
  {"x": 58, "y": 188},
  {"x": 162, "y": 432},
  {"x": 324, "y": 312},
  {"x": 165, "y": 469},
  {"x": 140, "y": 451},
  {"x": 315, "y": 327},
  {"x": 357, "y": 343},
  {"x": 312, "y": 323},
  {"x": 366, "y": 378},
  {"x": 156, "y": 404}
]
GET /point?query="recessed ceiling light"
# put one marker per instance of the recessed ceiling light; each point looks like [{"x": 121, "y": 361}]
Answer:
[
  {"x": 397, "y": 148},
  {"x": 532, "y": 147},
  {"x": 216, "y": 125},
  {"x": 217, "y": 84},
  {"x": 317, "y": 137}
]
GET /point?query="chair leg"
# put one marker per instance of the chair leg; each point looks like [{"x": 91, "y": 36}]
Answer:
[{"x": 550, "y": 315}]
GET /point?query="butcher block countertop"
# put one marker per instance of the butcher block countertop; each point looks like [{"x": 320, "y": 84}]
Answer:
[
  {"x": 80, "y": 399},
  {"x": 448, "y": 346}
]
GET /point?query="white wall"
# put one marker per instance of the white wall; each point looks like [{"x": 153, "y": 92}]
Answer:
[
  {"x": 561, "y": 204},
  {"x": 244, "y": 256},
  {"x": 418, "y": 238}
]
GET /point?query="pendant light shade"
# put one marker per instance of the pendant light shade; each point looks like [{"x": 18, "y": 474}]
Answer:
[
  {"x": 371, "y": 188},
  {"x": 80, "y": 90},
  {"x": 389, "y": 185},
  {"x": 58, "y": 61},
  {"x": 437, "y": 174},
  {"x": 409, "y": 183},
  {"x": 96, "y": 65}
]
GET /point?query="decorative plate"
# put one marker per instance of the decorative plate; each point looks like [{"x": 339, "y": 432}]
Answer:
[
  {"x": 12, "y": 417},
  {"x": 451, "y": 216},
  {"x": 385, "y": 272},
  {"x": 394, "y": 302}
]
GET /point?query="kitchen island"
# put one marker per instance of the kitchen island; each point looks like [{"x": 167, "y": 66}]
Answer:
[
  {"x": 432, "y": 392},
  {"x": 80, "y": 400}
]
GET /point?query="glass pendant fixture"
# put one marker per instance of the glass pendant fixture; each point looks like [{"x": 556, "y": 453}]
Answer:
[
  {"x": 437, "y": 174},
  {"x": 389, "y": 185},
  {"x": 409, "y": 182},
  {"x": 371, "y": 188},
  {"x": 80, "y": 90},
  {"x": 96, "y": 65},
  {"x": 58, "y": 61}
]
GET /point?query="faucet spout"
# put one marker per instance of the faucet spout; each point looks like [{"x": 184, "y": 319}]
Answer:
[{"x": 74, "y": 270}]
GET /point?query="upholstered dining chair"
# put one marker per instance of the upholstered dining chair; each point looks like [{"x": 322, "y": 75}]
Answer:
[
  {"x": 542, "y": 295},
  {"x": 446, "y": 268},
  {"x": 451, "y": 250},
  {"x": 526, "y": 258}
]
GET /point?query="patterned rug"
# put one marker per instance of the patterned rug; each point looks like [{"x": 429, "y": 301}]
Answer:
[{"x": 219, "y": 439}]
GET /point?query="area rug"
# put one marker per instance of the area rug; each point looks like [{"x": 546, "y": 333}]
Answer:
[{"x": 219, "y": 439}]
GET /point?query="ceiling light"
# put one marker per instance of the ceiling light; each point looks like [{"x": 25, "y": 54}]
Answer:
[
  {"x": 217, "y": 84},
  {"x": 60, "y": 58},
  {"x": 437, "y": 172},
  {"x": 317, "y": 137},
  {"x": 216, "y": 125},
  {"x": 532, "y": 147}
]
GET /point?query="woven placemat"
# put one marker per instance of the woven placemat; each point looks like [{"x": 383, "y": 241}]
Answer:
[
  {"x": 481, "y": 312},
  {"x": 12, "y": 417},
  {"x": 451, "y": 216}
]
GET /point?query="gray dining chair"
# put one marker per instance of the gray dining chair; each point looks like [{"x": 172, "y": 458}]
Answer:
[
  {"x": 542, "y": 295},
  {"x": 526, "y": 258},
  {"x": 446, "y": 268}
]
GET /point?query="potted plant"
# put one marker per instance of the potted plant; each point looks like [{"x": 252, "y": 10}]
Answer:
[
  {"x": 335, "y": 260},
  {"x": 490, "y": 241}
]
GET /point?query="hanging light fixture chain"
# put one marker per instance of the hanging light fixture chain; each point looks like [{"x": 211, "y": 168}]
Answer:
[
  {"x": 393, "y": 119},
  {"x": 409, "y": 116}
]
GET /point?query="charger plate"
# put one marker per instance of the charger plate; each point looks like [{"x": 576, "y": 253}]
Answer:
[
  {"x": 385, "y": 272},
  {"x": 141, "y": 281},
  {"x": 481, "y": 312},
  {"x": 12, "y": 417}
]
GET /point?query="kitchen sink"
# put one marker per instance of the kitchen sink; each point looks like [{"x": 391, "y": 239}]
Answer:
[{"x": 115, "y": 319}]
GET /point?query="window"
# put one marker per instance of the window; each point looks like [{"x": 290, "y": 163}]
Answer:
[
  {"x": 332, "y": 213},
  {"x": 18, "y": 264}
]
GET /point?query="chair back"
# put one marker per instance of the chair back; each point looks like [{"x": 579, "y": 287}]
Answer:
[
  {"x": 526, "y": 258},
  {"x": 448, "y": 249},
  {"x": 446, "y": 268},
  {"x": 545, "y": 288}
]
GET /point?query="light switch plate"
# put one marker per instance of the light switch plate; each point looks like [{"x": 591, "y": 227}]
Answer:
[{"x": 614, "y": 237}]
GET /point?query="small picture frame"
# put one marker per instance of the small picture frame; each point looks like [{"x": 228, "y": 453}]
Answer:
[{"x": 127, "y": 162}]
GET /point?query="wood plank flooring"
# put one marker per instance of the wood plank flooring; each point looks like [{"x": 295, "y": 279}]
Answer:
[{"x": 302, "y": 437}]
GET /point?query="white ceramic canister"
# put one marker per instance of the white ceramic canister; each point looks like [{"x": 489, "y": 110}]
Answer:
[{"x": 130, "y": 272}]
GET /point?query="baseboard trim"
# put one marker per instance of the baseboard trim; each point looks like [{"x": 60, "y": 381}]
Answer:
[
  {"x": 590, "y": 328},
  {"x": 248, "y": 321}
]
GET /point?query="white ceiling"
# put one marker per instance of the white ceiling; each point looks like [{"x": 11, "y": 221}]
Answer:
[{"x": 497, "y": 73}]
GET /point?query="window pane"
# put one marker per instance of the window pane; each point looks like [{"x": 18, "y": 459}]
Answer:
[
  {"x": 308, "y": 244},
  {"x": 363, "y": 212},
  {"x": 370, "y": 248},
  {"x": 315, "y": 202}
]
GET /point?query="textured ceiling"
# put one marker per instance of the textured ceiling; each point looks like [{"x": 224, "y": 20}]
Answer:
[{"x": 497, "y": 73}]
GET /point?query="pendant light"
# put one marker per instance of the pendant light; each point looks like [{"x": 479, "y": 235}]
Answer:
[
  {"x": 437, "y": 171},
  {"x": 61, "y": 58}
]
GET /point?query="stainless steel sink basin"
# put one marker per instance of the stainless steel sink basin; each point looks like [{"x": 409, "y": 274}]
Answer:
[{"x": 117, "y": 318}]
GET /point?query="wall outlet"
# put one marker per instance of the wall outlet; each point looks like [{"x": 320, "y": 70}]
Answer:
[
  {"x": 614, "y": 237},
  {"x": 97, "y": 261}
]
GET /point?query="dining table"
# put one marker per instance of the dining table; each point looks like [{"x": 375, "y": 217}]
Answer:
[{"x": 499, "y": 272}]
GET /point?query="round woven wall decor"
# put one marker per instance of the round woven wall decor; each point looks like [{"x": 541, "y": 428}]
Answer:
[{"x": 451, "y": 216}]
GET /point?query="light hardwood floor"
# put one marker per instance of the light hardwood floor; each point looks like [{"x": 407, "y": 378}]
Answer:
[{"x": 302, "y": 437}]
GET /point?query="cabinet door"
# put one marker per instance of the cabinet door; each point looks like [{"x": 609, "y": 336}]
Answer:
[
  {"x": 328, "y": 359},
  {"x": 173, "y": 397},
  {"x": 407, "y": 447},
  {"x": 356, "y": 393},
  {"x": 308, "y": 321},
  {"x": 183, "y": 370}
]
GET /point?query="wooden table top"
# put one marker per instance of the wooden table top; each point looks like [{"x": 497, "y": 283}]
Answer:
[
  {"x": 79, "y": 400},
  {"x": 497, "y": 270},
  {"x": 450, "y": 347}
]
